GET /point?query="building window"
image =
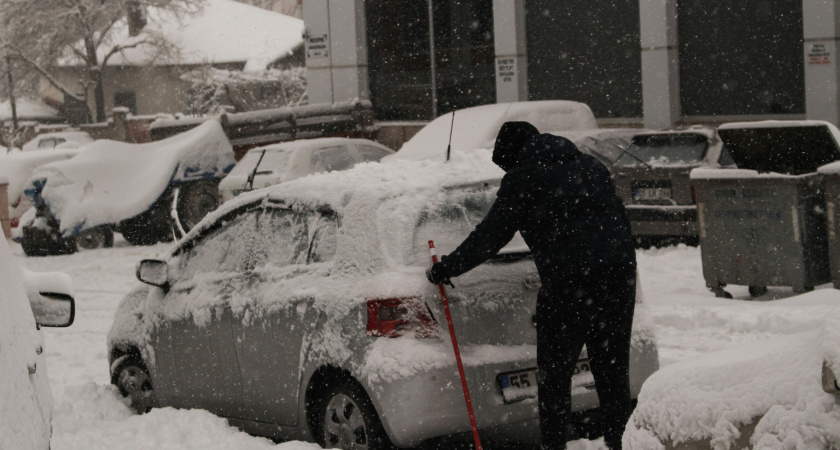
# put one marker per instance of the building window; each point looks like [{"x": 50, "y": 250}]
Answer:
[
  {"x": 400, "y": 66},
  {"x": 126, "y": 99},
  {"x": 587, "y": 51},
  {"x": 727, "y": 68}
]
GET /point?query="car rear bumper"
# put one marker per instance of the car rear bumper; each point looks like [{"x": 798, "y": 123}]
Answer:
[
  {"x": 663, "y": 220},
  {"x": 432, "y": 404}
]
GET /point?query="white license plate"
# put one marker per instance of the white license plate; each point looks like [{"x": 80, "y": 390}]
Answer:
[
  {"x": 652, "y": 194},
  {"x": 522, "y": 384}
]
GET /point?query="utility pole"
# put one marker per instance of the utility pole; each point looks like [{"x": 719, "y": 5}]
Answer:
[{"x": 12, "y": 95}]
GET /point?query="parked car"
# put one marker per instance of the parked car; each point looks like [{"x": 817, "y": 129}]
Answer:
[
  {"x": 62, "y": 139},
  {"x": 301, "y": 311},
  {"x": 147, "y": 192},
  {"x": 760, "y": 395},
  {"x": 274, "y": 164},
  {"x": 606, "y": 144},
  {"x": 476, "y": 128},
  {"x": 17, "y": 168},
  {"x": 28, "y": 301},
  {"x": 652, "y": 177}
]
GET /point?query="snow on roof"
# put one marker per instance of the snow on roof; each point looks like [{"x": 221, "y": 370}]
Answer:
[
  {"x": 27, "y": 109},
  {"x": 776, "y": 382},
  {"x": 478, "y": 126},
  {"x": 225, "y": 31},
  {"x": 112, "y": 181}
]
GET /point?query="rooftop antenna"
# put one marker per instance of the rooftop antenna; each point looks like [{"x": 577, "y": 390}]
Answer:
[{"x": 449, "y": 145}]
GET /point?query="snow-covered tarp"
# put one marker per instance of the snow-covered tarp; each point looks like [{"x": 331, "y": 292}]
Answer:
[
  {"x": 224, "y": 31},
  {"x": 17, "y": 167},
  {"x": 112, "y": 181},
  {"x": 477, "y": 127},
  {"x": 776, "y": 383}
]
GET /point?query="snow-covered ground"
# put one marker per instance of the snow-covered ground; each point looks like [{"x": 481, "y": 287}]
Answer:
[{"x": 89, "y": 414}]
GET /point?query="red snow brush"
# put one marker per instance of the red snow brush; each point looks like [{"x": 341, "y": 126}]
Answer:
[{"x": 457, "y": 352}]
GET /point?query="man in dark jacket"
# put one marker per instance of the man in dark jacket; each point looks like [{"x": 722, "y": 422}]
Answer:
[{"x": 563, "y": 202}]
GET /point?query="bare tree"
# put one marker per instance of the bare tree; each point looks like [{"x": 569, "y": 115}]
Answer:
[{"x": 43, "y": 32}]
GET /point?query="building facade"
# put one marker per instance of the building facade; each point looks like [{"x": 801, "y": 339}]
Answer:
[{"x": 652, "y": 63}]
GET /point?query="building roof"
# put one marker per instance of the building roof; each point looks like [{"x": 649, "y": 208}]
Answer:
[
  {"x": 27, "y": 109},
  {"x": 225, "y": 31}
]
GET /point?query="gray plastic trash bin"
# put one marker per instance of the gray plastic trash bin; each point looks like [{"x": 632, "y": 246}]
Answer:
[{"x": 764, "y": 224}]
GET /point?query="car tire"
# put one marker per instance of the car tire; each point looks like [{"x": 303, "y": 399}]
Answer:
[
  {"x": 99, "y": 237},
  {"x": 194, "y": 201},
  {"x": 758, "y": 291},
  {"x": 152, "y": 226},
  {"x": 36, "y": 242},
  {"x": 132, "y": 379},
  {"x": 348, "y": 420}
]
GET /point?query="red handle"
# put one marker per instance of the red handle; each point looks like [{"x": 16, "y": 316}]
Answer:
[{"x": 457, "y": 352}]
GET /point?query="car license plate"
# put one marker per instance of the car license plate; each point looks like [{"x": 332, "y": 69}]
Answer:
[
  {"x": 522, "y": 384},
  {"x": 652, "y": 193}
]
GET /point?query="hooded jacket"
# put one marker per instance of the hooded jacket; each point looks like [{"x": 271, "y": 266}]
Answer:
[{"x": 563, "y": 202}]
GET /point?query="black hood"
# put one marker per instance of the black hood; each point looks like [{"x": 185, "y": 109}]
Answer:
[
  {"x": 510, "y": 141},
  {"x": 548, "y": 149}
]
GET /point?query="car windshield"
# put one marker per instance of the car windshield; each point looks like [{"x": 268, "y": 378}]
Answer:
[
  {"x": 664, "y": 150},
  {"x": 450, "y": 221},
  {"x": 272, "y": 160}
]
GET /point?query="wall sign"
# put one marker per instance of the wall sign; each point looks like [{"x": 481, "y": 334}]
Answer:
[
  {"x": 318, "y": 46},
  {"x": 818, "y": 54},
  {"x": 506, "y": 69}
]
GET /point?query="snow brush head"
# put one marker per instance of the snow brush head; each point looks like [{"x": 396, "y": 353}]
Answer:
[{"x": 512, "y": 137}]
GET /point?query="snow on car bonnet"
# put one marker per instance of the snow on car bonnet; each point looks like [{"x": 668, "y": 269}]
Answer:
[
  {"x": 477, "y": 127},
  {"x": 113, "y": 181}
]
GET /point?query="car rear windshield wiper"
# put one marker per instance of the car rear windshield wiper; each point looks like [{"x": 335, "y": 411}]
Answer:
[
  {"x": 624, "y": 150},
  {"x": 249, "y": 185}
]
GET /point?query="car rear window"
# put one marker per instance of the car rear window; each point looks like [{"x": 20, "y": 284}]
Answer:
[
  {"x": 332, "y": 158},
  {"x": 272, "y": 160},
  {"x": 451, "y": 220},
  {"x": 657, "y": 150}
]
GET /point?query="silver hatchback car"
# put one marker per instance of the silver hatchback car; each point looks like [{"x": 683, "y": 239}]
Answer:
[{"x": 301, "y": 311}]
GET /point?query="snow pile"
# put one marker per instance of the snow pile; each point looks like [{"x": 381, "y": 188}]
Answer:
[
  {"x": 477, "y": 127},
  {"x": 94, "y": 416},
  {"x": 25, "y": 400},
  {"x": 113, "y": 181},
  {"x": 224, "y": 31},
  {"x": 715, "y": 396}
]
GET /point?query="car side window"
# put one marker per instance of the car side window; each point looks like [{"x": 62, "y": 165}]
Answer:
[
  {"x": 282, "y": 239},
  {"x": 333, "y": 158},
  {"x": 371, "y": 153},
  {"x": 324, "y": 239},
  {"x": 228, "y": 248}
]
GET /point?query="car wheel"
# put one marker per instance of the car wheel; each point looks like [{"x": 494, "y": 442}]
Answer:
[
  {"x": 758, "y": 291},
  {"x": 99, "y": 237},
  {"x": 349, "y": 421},
  {"x": 196, "y": 200},
  {"x": 150, "y": 227},
  {"x": 133, "y": 380}
]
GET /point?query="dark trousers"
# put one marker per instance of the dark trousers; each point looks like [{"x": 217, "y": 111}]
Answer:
[{"x": 593, "y": 308}]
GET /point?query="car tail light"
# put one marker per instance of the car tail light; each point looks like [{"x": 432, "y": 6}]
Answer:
[
  {"x": 693, "y": 195},
  {"x": 14, "y": 222},
  {"x": 16, "y": 203},
  {"x": 395, "y": 317}
]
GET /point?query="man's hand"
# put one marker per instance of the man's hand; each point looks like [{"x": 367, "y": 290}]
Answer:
[{"x": 436, "y": 275}]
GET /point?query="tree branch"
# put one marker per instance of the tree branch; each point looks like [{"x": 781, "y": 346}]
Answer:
[
  {"x": 120, "y": 48},
  {"x": 34, "y": 64}
]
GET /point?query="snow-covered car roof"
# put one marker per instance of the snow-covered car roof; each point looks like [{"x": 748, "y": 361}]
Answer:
[
  {"x": 478, "y": 126},
  {"x": 775, "y": 382},
  {"x": 384, "y": 198},
  {"x": 79, "y": 137},
  {"x": 112, "y": 181}
]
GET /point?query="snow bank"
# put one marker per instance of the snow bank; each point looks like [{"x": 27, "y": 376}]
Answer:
[
  {"x": 774, "y": 382},
  {"x": 477, "y": 127},
  {"x": 25, "y": 399},
  {"x": 113, "y": 181},
  {"x": 94, "y": 416}
]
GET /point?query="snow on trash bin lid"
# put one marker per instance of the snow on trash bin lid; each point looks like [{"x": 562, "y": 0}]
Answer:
[{"x": 793, "y": 147}]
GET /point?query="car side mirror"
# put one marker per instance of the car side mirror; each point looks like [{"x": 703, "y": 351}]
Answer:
[
  {"x": 53, "y": 309},
  {"x": 154, "y": 272}
]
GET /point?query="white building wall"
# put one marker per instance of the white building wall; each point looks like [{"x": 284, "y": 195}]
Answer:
[{"x": 821, "y": 28}]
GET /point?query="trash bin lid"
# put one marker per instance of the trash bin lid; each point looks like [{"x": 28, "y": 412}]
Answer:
[{"x": 791, "y": 147}]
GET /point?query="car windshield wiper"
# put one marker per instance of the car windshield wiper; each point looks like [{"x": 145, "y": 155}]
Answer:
[{"x": 249, "y": 185}]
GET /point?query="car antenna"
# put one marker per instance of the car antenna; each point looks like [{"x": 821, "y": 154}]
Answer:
[
  {"x": 624, "y": 150},
  {"x": 449, "y": 145},
  {"x": 249, "y": 185}
]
